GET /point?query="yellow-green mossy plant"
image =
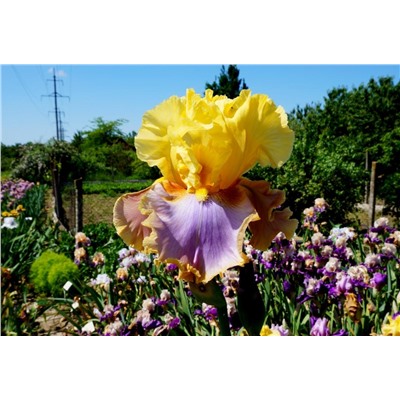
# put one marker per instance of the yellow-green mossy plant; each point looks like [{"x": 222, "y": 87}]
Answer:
[{"x": 51, "y": 271}]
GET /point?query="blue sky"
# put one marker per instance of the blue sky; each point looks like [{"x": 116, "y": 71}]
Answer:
[{"x": 127, "y": 91}]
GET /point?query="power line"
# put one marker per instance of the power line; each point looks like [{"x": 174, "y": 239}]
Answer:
[
  {"x": 26, "y": 90},
  {"x": 39, "y": 68}
]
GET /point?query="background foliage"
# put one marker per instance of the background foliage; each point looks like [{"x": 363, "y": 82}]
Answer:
[{"x": 334, "y": 141}]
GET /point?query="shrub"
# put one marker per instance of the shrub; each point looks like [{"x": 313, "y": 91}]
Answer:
[
  {"x": 51, "y": 271},
  {"x": 24, "y": 203}
]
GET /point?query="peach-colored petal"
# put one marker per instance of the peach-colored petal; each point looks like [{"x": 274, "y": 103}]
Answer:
[
  {"x": 128, "y": 219},
  {"x": 271, "y": 222}
]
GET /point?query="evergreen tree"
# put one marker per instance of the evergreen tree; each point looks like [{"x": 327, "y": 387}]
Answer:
[{"x": 228, "y": 83}]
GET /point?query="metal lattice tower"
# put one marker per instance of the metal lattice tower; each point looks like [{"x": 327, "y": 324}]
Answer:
[{"x": 56, "y": 95}]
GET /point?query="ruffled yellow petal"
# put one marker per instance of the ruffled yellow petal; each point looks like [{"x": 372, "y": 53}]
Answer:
[
  {"x": 209, "y": 142},
  {"x": 272, "y": 221},
  {"x": 185, "y": 138},
  {"x": 392, "y": 328},
  {"x": 261, "y": 135},
  {"x": 266, "y": 331}
]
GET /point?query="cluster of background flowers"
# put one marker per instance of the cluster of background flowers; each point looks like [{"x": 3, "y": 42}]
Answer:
[
  {"x": 12, "y": 192},
  {"x": 337, "y": 276}
]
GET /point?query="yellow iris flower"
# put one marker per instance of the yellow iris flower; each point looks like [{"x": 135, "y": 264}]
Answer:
[
  {"x": 267, "y": 331},
  {"x": 392, "y": 328},
  {"x": 196, "y": 215}
]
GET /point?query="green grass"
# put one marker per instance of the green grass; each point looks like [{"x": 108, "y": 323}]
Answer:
[{"x": 116, "y": 188}]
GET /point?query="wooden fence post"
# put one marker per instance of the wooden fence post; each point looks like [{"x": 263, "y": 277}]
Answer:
[
  {"x": 56, "y": 194},
  {"x": 78, "y": 205},
  {"x": 372, "y": 197},
  {"x": 366, "y": 183}
]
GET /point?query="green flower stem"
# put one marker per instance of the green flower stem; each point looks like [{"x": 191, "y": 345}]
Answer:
[
  {"x": 251, "y": 307},
  {"x": 211, "y": 293},
  {"x": 224, "y": 329}
]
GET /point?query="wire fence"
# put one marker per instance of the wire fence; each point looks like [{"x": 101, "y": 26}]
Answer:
[{"x": 75, "y": 208}]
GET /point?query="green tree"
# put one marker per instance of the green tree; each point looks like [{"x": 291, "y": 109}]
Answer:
[
  {"x": 8, "y": 155},
  {"x": 35, "y": 161},
  {"x": 331, "y": 141},
  {"x": 108, "y": 153},
  {"x": 364, "y": 120},
  {"x": 389, "y": 171},
  {"x": 101, "y": 133},
  {"x": 228, "y": 83}
]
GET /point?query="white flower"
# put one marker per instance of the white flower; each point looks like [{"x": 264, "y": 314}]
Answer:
[
  {"x": 231, "y": 305},
  {"x": 268, "y": 255},
  {"x": 332, "y": 265},
  {"x": 359, "y": 272},
  {"x": 113, "y": 328},
  {"x": 280, "y": 236},
  {"x": 347, "y": 233},
  {"x": 312, "y": 283},
  {"x": 326, "y": 251},
  {"x": 341, "y": 241},
  {"x": 148, "y": 305},
  {"x": 108, "y": 308},
  {"x": 349, "y": 253},
  {"x": 143, "y": 316},
  {"x": 381, "y": 222},
  {"x": 101, "y": 279},
  {"x": 280, "y": 329},
  {"x": 123, "y": 253},
  {"x": 128, "y": 261},
  {"x": 97, "y": 313},
  {"x": 9, "y": 223},
  {"x": 141, "y": 279},
  {"x": 320, "y": 203},
  {"x": 339, "y": 275},
  {"x": 80, "y": 237},
  {"x": 389, "y": 249},
  {"x": 248, "y": 248},
  {"x": 317, "y": 239},
  {"x": 309, "y": 212},
  {"x": 396, "y": 236},
  {"x": 141, "y": 258},
  {"x": 372, "y": 259},
  {"x": 165, "y": 295}
]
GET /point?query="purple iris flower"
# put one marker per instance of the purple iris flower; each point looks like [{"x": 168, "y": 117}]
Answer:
[
  {"x": 171, "y": 267},
  {"x": 320, "y": 328},
  {"x": 341, "y": 332},
  {"x": 378, "y": 281},
  {"x": 344, "y": 285},
  {"x": 174, "y": 323},
  {"x": 151, "y": 324},
  {"x": 287, "y": 288}
]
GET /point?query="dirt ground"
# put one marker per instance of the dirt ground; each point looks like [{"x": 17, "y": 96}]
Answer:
[{"x": 53, "y": 324}]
